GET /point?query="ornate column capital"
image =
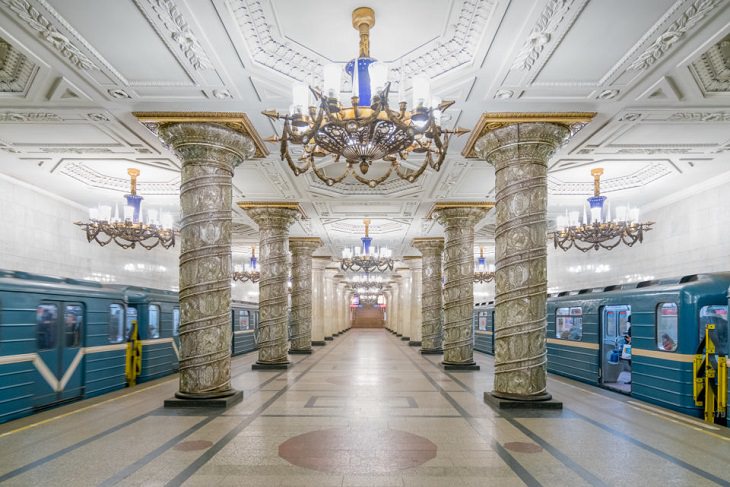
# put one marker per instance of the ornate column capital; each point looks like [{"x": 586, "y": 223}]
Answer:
[
  {"x": 493, "y": 123},
  {"x": 271, "y": 214},
  {"x": 463, "y": 214},
  {"x": 428, "y": 246},
  {"x": 304, "y": 244}
]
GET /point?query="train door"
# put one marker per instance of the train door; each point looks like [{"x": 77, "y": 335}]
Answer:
[
  {"x": 131, "y": 316},
  {"x": 492, "y": 328},
  {"x": 615, "y": 372},
  {"x": 59, "y": 332}
]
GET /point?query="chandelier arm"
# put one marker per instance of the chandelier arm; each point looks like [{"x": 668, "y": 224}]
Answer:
[
  {"x": 373, "y": 182},
  {"x": 292, "y": 165},
  {"x": 411, "y": 176},
  {"x": 329, "y": 181}
]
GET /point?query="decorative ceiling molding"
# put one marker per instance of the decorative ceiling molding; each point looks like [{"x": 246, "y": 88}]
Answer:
[
  {"x": 700, "y": 117},
  {"x": 664, "y": 41},
  {"x": 457, "y": 47},
  {"x": 49, "y": 33},
  {"x": 179, "y": 31},
  {"x": 712, "y": 69},
  {"x": 34, "y": 117},
  {"x": 359, "y": 228},
  {"x": 16, "y": 70},
  {"x": 91, "y": 177},
  {"x": 646, "y": 174}
]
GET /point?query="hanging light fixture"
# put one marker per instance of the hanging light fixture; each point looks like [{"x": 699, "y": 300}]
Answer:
[
  {"x": 131, "y": 229},
  {"x": 482, "y": 271},
  {"x": 368, "y": 130},
  {"x": 367, "y": 258},
  {"x": 248, "y": 273},
  {"x": 597, "y": 229}
]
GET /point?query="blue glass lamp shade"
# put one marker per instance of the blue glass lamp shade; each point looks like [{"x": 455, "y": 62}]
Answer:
[
  {"x": 363, "y": 78},
  {"x": 134, "y": 201},
  {"x": 253, "y": 263},
  {"x": 366, "y": 245},
  {"x": 597, "y": 201}
]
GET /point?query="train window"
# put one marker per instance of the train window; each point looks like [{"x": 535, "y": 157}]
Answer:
[
  {"x": 131, "y": 316},
  {"x": 569, "y": 323},
  {"x": 153, "y": 324},
  {"x": 46, "y": 333},
  {"x": 483, "y": 320},
  {"x": 73, "y": 323},
  {"x": 666, "y": 329},
  {"x": 175, "y": 321},
  {"x": 616, "y": 320},
  {"x": 116, "y": 323},
  {"x": 243, "y": 320},
  {"x": 716, "y": 315}
]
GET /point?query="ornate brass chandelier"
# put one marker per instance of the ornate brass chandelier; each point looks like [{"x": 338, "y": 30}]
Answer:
[
  {"x": 368, "y": 130},
  {"x": 367, "y": 258},
  {"x": 127, "y": 232},
  {"x": 482, "y": 271},
  {"x": 365, "y": 283},
  {"x": 599, "y": 231},
  {"x": 250, "y": 272}
]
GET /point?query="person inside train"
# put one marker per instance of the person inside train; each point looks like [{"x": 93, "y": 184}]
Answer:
[{"x": 668, "y": 344}]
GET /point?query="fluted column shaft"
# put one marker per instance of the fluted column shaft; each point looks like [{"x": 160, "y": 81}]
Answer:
[
  {"x": 459, "y": 282},
  {"x": 431, "y": 296},
  {"x": 301, "y": 292},
  {"x": 520, "y": 153},
  {"x": 208, "y": 153},
  {"x": 318, "y": 299},
  {"x": 396, "y": 301},
  {"x": 340, "y": 306},
  {"x": 273, "y": 340}
]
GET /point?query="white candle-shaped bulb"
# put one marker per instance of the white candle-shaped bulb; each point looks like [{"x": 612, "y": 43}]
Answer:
[
  {"x": 300, "y": 97},
  {"x": 166, "y": 220},
  {"x": 634, "y": 215},
  {"x": 332, "y": 78},
  {"x": 561, "y": 222},
  {"x": 105, "y": 213},
  {"x": 585, "y": 216},
  {"x": 116, "y": 213},
  {"x": 621, "y": 213},
  {"x": 573, "y": 217},
  {"x": 378, "y": 76},
  {"x": 596, "y": 215},
  {"x": 421, "y": 91},
  {"x": 93, "y": 213}
]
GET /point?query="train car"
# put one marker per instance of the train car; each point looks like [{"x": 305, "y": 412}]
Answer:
[
  {"x": 158, "y": 316},
  {"x": 663, "y": 322},
  {"x": 244, "y": 321},
  {"x": 483, "y": 318},
  {"x": 60, "y": 340}
]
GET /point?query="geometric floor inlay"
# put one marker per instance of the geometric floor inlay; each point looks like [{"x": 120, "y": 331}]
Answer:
[{"x": 360, "y": 450}]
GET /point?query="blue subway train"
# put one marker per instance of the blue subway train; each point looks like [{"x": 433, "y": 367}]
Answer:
[
  {"x": 66, "y": 339},
  {"x": 663, "y": 321}
]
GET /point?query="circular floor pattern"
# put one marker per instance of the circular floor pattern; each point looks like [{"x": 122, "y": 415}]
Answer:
[
  {"x": 357, "y": 450},
  {"x": 523, "y": 447},
  {"x": 193, "y": 445}
]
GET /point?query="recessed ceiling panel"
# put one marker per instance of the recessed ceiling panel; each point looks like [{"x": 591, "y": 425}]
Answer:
[
  {"x": 44, "y": 134},
  {"x": 600, "y": 37},
  {"x": 650, "y": 134}
]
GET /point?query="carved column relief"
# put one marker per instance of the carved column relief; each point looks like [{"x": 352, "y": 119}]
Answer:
[
  {"x": 431, "y": 297},
  {"x": 273, "y": 222},
  {"x": 301, "y": 293},
  {"x": 208, "y": 152},
  {"x": 520, "y": 153},
  {"x": 459, "y": 283}
]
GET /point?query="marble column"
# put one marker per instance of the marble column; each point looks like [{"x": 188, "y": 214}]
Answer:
[
  {"x": 318, "y": 299},
  {"x": 301, "y": 293},
  {"x": 459, "y": 221},
  {"x": 404, "y": 306},
  {"x": 273, "y": 221},
  {"x": 395, "y": 291},
  {"x": 340, "y": 304},
  {"x": 329, "y": 304},
  {"x": 431, "y": 296},
  {"x": 416, "y": 301},
  {"x": 520, "y": 153},
  {"x": 388, "y": 299},
  {"x": 208, "y": 152}
]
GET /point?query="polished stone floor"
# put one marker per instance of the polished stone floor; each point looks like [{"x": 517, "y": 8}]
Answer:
[{"x": 365, "y": 410}]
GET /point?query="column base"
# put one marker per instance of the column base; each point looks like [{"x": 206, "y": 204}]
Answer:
[
  {"x": 415, "y": 343},
  {"x": 510, "y": 401},
  {"x": 306, "y": 351},
  {"x": 471, "y": 366},
  {"x": 318, "y": 343},
  {"x": 259, "y": 366},
  {"x": 406, "y": 339},
  {"x": 434, "y": 351},
  {"x": 329, "y": 339},
  {"x": 399, "y": 334},
  {"x": 205, "y": 402}
]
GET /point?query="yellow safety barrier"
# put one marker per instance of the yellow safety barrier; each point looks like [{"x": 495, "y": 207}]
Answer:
[
  {"x": 133, "y": 367},
  {"x": 710, "y": 378}
]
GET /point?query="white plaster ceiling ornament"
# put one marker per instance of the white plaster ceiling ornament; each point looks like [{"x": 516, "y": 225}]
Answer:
[
  {"x": 368, "y": 130},
  {"x": 712, "y": 69},
  {"x": 89, "y": 176},
  {"x": 16, "y": 70}
]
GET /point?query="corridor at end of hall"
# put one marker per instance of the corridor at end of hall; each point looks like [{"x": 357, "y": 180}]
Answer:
[{"x": 367, "y": 410}]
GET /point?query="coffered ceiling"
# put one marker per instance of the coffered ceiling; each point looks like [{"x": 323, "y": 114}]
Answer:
[{"x": 656, "y": 72}]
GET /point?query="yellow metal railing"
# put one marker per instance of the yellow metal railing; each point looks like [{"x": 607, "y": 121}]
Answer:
[
  {"x": 133, "y": 366},
  {"x": 710, "y": 378}
]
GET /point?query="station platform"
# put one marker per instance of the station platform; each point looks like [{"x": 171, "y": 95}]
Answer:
[{"x": 364, "y": 410}]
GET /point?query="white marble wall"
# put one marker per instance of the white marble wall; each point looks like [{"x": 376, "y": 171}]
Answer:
[
  {"x": 689, "y": 236},
  {"x": 38, "y": 236}
]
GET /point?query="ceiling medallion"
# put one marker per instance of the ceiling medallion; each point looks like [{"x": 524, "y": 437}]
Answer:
[
  {"x": 130, "y": 230},
  {"x": 368, "y": 130},
  {"x": 366, "y": 258},
  {"x": 599, "y": 231}
]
